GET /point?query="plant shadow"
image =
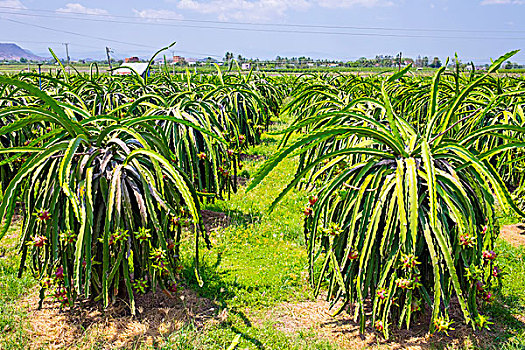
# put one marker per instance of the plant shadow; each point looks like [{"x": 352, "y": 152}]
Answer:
[
  {"x": 236, "y": 217},
  {"x": 222, "y": 290}
]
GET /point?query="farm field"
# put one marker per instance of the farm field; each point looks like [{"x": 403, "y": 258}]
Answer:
[
  {"x": 86, "y": 68},
  {"x": 15, "y": 68},
  {"x": 228, "y": 210}
]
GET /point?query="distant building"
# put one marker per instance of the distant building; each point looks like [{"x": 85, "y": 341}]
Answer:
[
  {"x": 127, "y": 68},
  {"x": 178, "y": 59},
  {"x": 132, "y": 59},
  {"x": 246, "y": 66}
]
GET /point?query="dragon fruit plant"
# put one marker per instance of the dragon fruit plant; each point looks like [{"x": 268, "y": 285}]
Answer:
[
  {"x": 97, "y": 193},
  {"x": 416, "y": 225}
]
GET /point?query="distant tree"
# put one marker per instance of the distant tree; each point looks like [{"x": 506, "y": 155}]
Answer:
[
  {"x": 228, "y": 56},
  {"x": 436, "y": 63},
  {"x": 23, "y": 60},
  {"x": 424, "y": 62},
  {"x": 511, "y": 65}
]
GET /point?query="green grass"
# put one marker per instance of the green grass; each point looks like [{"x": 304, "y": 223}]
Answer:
[
  {"x": 508, "y": 218},
  {"x": 509, "y": 310},
  {"x": 263, "y": 251},
  {"x": 255, "y": 264},
  {"x": 222, "y": 336},
  {"x": 12, "y": 290}
]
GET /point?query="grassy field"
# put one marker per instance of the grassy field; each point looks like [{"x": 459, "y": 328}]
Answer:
[
  {"x": 255, "y": 265},
  {"x": 12, "y": 289}
]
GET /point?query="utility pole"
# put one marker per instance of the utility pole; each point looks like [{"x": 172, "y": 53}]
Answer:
[
  {"x": 67, "y": 56},
  {"x": 108, "y": 51},
  {"x": 399, "y": 62}
]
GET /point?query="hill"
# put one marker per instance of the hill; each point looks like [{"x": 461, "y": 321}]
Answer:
[{"x": 10, "y": 51}]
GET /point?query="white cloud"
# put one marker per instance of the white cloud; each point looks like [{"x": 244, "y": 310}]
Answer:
[
  {"x": 266, "y": 10},
  {"x": 244, "y": 10},
  {"x": 351, "y": 3},
  {"x": 157, "y": 14},
  {"x": 12, "y": 7},
  {"x": 78, "y": 8},
  {"x": 503, "y": 2},
  {"x": 12, "y": 4}
]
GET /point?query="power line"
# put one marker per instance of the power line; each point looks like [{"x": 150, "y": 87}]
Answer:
[
  {"x": 101, "y": 38},
  {"x": 407, "y": 36},
  {"x": 77, "y": 34},
  {"x": 298, "y": 25},
  {"x": 44, "y": 42}
]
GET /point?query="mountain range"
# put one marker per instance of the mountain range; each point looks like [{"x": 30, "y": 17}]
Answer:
[{"x": 9, "y": 51}]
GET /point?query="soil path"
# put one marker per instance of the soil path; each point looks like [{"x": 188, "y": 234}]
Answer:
[
  {"x": 313, "y": 315},
  {"x": 514, "y": 234}
]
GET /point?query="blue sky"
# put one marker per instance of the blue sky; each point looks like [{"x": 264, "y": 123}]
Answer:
[{"x": 341, "y": 29}]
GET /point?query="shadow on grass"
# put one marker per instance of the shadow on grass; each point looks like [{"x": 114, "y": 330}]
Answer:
[
  {"x": 218, "y": 285},
  {"x": 222, "y": 290},
  {"x": 504, "y": 312},
  {"x": 269, "y": 141},
  {"x": 237, "y": 217}
]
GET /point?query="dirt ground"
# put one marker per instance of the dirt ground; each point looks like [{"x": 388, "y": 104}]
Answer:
[
  {"x": 314, "y": 316},
  {"x": 251, "y": 157},
  {"x": 514, "y": 234},
  {"x": 214, "y": 220},
  {"x": 86, "y": 325}
]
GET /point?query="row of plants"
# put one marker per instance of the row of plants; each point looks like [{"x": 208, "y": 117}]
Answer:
[
  {"x": 110, "y": 172},
  {"x": 405, "y": 174}
]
